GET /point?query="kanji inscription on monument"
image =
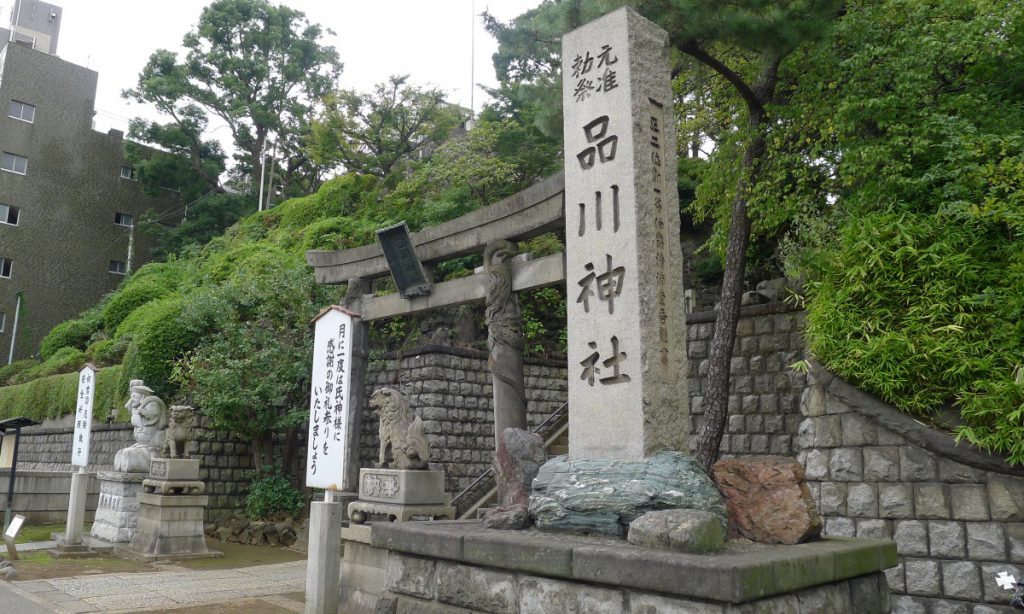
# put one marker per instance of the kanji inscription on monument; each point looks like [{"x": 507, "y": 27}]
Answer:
[
  {"x": 330, "y": 391},
  {"x": 627, "y": 361},
  {"x": 83, "y": 416}
]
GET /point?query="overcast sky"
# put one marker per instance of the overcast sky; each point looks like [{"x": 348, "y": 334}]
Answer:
[{"x": 427, "y": 39}]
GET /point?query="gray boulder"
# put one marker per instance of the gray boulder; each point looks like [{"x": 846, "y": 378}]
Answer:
[{"x": 694, "y": 531}]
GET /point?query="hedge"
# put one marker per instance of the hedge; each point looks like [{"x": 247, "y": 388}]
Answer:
[{"x": 55, "y": 396}]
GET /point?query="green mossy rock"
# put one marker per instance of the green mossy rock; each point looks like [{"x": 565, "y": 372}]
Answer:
[{"x": 604, "y": 496}]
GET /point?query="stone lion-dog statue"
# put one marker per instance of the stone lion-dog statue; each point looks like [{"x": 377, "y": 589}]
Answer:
[
  {"x": 401, "y": 432},
  {"x": 179, "y": 431}
]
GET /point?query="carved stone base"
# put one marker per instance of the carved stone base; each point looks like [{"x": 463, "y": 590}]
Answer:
[
  {"x": 174, "y": 487},
  {"x": 170, "y": 526},
  {"x": 117, "y": 514},
  {"x": 402, "y": 486},
  {"x": 174, "y": 469},
  {"x": 361, "y": 511}
]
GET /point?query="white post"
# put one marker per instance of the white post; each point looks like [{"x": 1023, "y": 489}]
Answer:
[
  {"x": 14, "y": 329},
  {"x": 76, "y": 508},
  {"x": 323, "y": 564}
]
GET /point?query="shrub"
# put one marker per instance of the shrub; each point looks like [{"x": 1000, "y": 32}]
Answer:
[
  {"x": 7, "y": 372},
  {"x": 271, "y": 496},
  {"x": 64, "y": 360},
  {"x": 161, "y": 338},
  {"x": 107, "y": 352},
  {"x": 55, "y": 396},
  {"x": 923, "y": 310},
  {"x": 74, "y": 333},
  {"x": 135, "y": 294}
]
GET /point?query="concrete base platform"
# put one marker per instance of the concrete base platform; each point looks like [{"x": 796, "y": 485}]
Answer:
[
  {"x": 97, "y": 545},
  {"x": 170, "y": 527},
  {"x": 455, "y": 567},
  {"x": 63, "y": 551}
]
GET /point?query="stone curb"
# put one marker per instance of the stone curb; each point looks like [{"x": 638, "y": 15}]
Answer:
[
  {"x": 889, "y": 417},
  {"x": 737, "y": 578}
]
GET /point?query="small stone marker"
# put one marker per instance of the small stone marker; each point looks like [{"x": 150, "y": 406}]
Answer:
[
  {"x": 330, "y": 390},
  {"x": 11, "y": 534},
  {"x": 627, "y": 361},
  {"x": 83, "y": 416}
]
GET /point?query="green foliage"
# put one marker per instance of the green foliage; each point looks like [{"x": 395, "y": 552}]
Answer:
[
  {"x": 205, "y": 217},
  {"x": 136, "y": 292},
  {"x": 259, "y": 67},
  {"x": 543, "y": 321},
  {"x": 106, "y": 352},
  {"x": 8, "y": 372},
  {"x": 708, "y": 268},
  {"x": 54, "y": 396},
  {"x": 272, "y": 496},
  {"x": 74, "y": 333},
  {"x": 381, "y": 132},
  {"x": 914, "y": 307},
  {"x": 161, "y": 337}
]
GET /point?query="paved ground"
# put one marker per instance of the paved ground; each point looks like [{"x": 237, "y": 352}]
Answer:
[{"x": 163, "y": 590}]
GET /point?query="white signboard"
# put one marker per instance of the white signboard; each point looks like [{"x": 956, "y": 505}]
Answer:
[
  {"x": 330, "y": 391},
  {"x": 83, "y": 416}
]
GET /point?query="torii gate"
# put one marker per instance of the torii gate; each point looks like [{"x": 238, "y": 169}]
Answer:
[{"x": 534, "y": 211}]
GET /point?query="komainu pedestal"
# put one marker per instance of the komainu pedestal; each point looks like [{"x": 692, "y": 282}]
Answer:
[
  {"x": 117, "y": 514},
  {"x": 400, "y": 494},
  {"x": 171, "y": 512}
]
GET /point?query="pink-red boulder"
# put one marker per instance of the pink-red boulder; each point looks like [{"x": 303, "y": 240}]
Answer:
[
  {"x": 767, "y": 499},
  {"x": 516, "y": 462}
]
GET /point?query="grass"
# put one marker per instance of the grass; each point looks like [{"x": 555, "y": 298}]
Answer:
[
  {"x": 41, "y": 532},
  {"x": 39, "y": 565}
]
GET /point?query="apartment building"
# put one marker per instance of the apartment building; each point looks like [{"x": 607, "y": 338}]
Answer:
[{"x": 68, "y": 203}]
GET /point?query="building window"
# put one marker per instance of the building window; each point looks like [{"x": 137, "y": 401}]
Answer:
[
  {"x": 9, "y": 215},
  {"x": 124, "y": 219},
  {"x": 116, "y": 266},
  {"x": 127, "y": 172},
  {"x": 13, "y": 163},
  {"x": 5, "y": 267},
  {"x": 23, "y": 111},
  {"x": 24, "y": 39}
]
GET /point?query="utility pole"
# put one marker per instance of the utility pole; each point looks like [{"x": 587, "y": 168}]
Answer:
[{"x": 131, "y": 248}]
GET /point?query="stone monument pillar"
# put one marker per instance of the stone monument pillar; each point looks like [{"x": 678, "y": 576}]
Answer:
[
  {"x": 117, "y": 514},
  {"x": 627, "y": 346}
]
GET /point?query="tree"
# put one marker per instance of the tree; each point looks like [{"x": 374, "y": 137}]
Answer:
[
  {"x": 183, "y": 162},
  {"x": 745, "y": 44},
  {"x": 257, "y": 67},
  {"x": 899, "y": 158},
  {"x": 377, "y": 133}
]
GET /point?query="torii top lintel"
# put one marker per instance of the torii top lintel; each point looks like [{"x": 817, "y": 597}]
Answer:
[{"x": 526, "y": 214}]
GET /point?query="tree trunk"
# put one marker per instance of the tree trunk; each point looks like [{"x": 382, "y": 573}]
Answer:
[{"x": 716, "y": 396}]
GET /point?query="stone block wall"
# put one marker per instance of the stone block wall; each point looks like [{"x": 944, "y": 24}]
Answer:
[
  {"x": 764, "y": 392},
  {"x": 956, "y": 513},
  {"x": 225, "y": 459},
  {"x": 450, "y": 388}
]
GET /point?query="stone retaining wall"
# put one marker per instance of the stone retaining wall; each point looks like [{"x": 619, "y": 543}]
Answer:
[
  {"x": 764, "y": 392},
  {"x": 224, "y": 458},
  {"x": 42, "y": 496},
  {"x": 450, "y": 388},
  {"x": 956, "y": 513}
]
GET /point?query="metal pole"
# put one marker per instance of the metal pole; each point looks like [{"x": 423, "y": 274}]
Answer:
[
  {"x": 10, "y": 483},
  {"x": 14, "y": 329},
  {"x": 263, "y": 168}
]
